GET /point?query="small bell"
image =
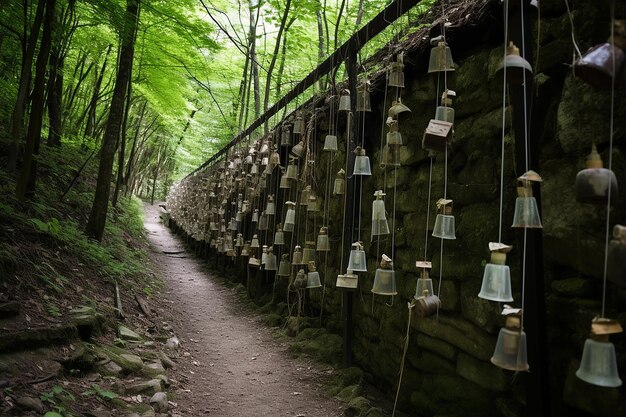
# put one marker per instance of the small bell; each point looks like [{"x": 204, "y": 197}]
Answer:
[
  {"x": 284, "y": 181},
  {"x": 599, "y": 364},
  {"x": 427, "y": 304},
  {"x": 496, "y": 284},
  {"x": 292, "y": 170},
  {"x": 395, "y": 72},
  {"x": 255, "y": 216},
  {"x": 357, "y": 261},
  {"x": 299, "y": 149},
  {"x": 279, "y": 236},
  {"x": 309, "y": 252},
  {"x": 285, "y": 138},
  {"x": 437, "y": 135},
  {"x": 390, "y": 156},
  {"x": 339, "y": 187},
  {"x": 263, "y": 255},
  {"x": 296, "y": 258},
  {"x": 445, "y": 112},
  {"x": 593, "y": 183},
  {"x": 239, "y": 241},
  {"x": 246, "y": 250},
  {"x": 385, "y": 278},
  {"x": 290, "y": 217},
  {"x": 379, "y": 218},
  {"x": 349, "y": 281},
  {"x": 517, "y": 68},
  {"x": 604, "y": 62},
  {"x": 270, "y": 207},
  {"x": 394, "y": 138},
  {"x": 313, "y": 277},
  {"x": 323, "y": 244},
  {"x": 344, "y": 101},
  {"x": 264, "y": 150},
  {"x": 616, "y": 266},
  {"x": 254, "y": 262},
  {"x": 526, "y": 210},
  {"x": 274, "y": 159},
  {"x": 298, "y": 126},
  {"x": 304, "y": 195},
  {"x": 361, "y": 162},
  {"x": 396, "y": 109},
  {"x": 444, "y": 223},
  {"x": 424, "y": 283},
  {"x": 299, "y": 283},
  {"x": 440, "y": 56},
  {"x": 263, "y": 221},
  {"x": 510, "y": 352},
  {"x": 314, "y": 203},
  {"x": 363, "y": 97},
  {"x": 255, "y": 241},
  {"x": 270, "y": 261},
  {"x": 284, "y": 268},
  {"x": 254, "y": 169},
  {"x": 330, "y": 143}
]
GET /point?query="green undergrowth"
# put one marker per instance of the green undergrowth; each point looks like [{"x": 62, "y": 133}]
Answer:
[{"x": 43, "y": 245}]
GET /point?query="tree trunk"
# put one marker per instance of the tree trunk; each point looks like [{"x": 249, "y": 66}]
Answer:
[
  {"x": 28, "y": 171},
  {"x": 97, "y": 217},
  {"x": 55, "y": 90},
  {"x": 93, "y": 104},
  {"x": 17, "y": 118},
  {"x": 270, "y": 70},
  {"x": 122, "y": 144},
  {"x": 255, "y": 64}
]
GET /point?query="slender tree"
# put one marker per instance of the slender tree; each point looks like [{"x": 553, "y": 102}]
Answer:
[{"x": 97, "y": 217}]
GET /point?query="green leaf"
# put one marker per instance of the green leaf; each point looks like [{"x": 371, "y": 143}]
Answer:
[
  {"x": 52, "y": 414},
  {"x": 40, "y": 226}
]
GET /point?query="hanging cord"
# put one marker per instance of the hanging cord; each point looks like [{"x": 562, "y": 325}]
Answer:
[
  {"x": 430, "y": 186},
  {"x": 611, "y": 123},
  {"x": 406, "y": 348},
  {"x": 445, "y": 194},
  {"x": 576, "y": 52},
  {"x": 506, "y": 42}
]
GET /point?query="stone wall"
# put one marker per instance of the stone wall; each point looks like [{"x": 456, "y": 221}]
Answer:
[{"x": 448, "y": 370}]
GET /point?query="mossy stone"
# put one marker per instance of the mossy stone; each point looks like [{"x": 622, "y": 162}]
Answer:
[
  {"x": 349, "y": 392},
  {"x": 482, "y": 373}
]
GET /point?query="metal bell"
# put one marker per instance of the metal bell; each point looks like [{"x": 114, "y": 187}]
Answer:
[
  {"x": 344, "y": 101},
  {"x": 379, "y": 217},
  {"x": 279, "y": 236},
  {"x": 255, "y": 241},
  {"x": 604, "y": 62},
  {"x": 594, "y": 182},
  {"x": 285, "y": 137},
  {"x": 394, "y": 138},
  {"x": 298, "y": 126},
  {"x": 348, "y": 281},
  {"x": 313, "y": 277},
  {"x": 517, "y": 68},
  {"x": 300, "y": 281},
  {"x": 361, "y": 162},
  {"x": 296, "y": 258},
  {"x": 390, "y": 156},
  {"x": 396, "y": 72},
  {"x": 445, "y": 112},
  {"x": 308, "y": 255},
  {"x": 385, "y": 278},
  {"x": 339, "y": 187},
  {"x": 510, "y": 352},
  {"x": 284, "y": 268},
  {"x": 323, "y": 244},
  {"x": 363, "y": 97},
  {"x": 290, "y": 217},
  {"x": 440, "y": 56},
  {"x": 357, "y": 261},
  {"x": 330, "y": 143},
  {"x": 299, "y": 149},
  {"x": 270, "y": 207}
]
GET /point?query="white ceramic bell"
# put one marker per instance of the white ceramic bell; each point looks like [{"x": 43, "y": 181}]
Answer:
[
  {"x": 323, "y": 244},
  {"x": 593, "y": 182},
  {"x": 496, "y": 284},
  {"x": 313, "y": 277},
  {"x": 284, "y": 268},
  {"x": 357, "y": 261},
  {"x": 279, "y": 236},
  {"x": 290, "y": 217},
  {"x": 361, "y": 162}
]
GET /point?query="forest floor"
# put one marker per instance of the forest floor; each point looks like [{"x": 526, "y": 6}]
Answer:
[{"x": 230, "y": 364}]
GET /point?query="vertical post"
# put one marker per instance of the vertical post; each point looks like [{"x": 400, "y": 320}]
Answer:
[
  {"x": 538, "y": 390},
  {"x": 348, "y": 296}
]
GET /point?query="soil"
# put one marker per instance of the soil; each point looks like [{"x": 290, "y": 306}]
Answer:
[{"x": 230, "y": 364}]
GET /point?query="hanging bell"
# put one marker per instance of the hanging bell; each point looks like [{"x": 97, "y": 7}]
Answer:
[
  {"x": 284, "y": 181},
  {"x": 313, "y": 277},
  {"x": 394, "y": 138},
  {"x": 296, "y": 258},
  {"x": 445, "y": 112},
  {"x": 279, "y": 236},
  {"x": 249, "y": 160},
  {"x": 270, "y": 260},
  {"x": 427, "y": 304},
  {"x": 255, "y": 241},
  {"x": 263, "y": 255},
  {"x": 444, "y": 223},
  {"x": 526, "y": 210},
  {"x": 246, "y": 250},
  {"x": 510, "y": 352},
  {"x": 517, "y": 68},
  {"x": 604, "y": 62},
  {"x": 339, "y": 187},
  {"x": 357, "y": 261},
  {"x": 254, "y": 169},
  {"x": 616, "y": 263},
  {"x": 323, "y": 245},
  {"x": 300, "y": 281},
  {"x": 379, "y": 218},
  {"x": 361, "y": 162},
  {"x": 232, "y": 225},
  {"x": 348, "y": 281},
  {"x": 424, "y": 283},
  {"x": 437, "y": 135},
  {"x": 274, "y": 158},
  {"x": 254, "y": 262},
  {"x": 299, "y": 149},
  {"x": 593, "y": 183},
  {"x": 344, "y": 101},
  {"x": 330, "y": 143},
  {"x": 396, "y": 109},
  {"x": 239, "y": 241},
  {"x": 599, "y": 364},
  {"x": 264, "y": 150},
  {"x": 363, "y": 97},
  {"x": 290, "y": 217},
  {"x": 270, "y": 207},
  {"x": 263, "y": 221},
  {"x": 285, "y": 137},
  {"x": 496, "y": 284},
  {"x": 298, "y": 126},
  {"x": 309, "y": 252},
  {"x": 395, "y": 72},
  {"x": 440, "y": 56},
  {"x": 385, "y": 278},
  {"x": 284, "y": 268},
  {"x": 255, "y": 216},
  {"x": 292, "y": 170},
  {"x": 314, "y": 203},
  {"x": 390, "y": 156},
  {"x": 304, "y": 195}
]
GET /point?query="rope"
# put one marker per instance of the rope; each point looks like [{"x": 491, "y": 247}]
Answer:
[{"x": 406, "y": 348}]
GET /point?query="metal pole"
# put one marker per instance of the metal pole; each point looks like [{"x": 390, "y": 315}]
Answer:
[{"x": 538, "y": 389}]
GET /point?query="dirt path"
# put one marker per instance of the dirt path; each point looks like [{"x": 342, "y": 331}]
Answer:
[{"x": 230, "y": 365}]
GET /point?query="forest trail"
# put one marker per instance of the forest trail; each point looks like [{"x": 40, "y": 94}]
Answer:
[{"x": 229, "y": 363}]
